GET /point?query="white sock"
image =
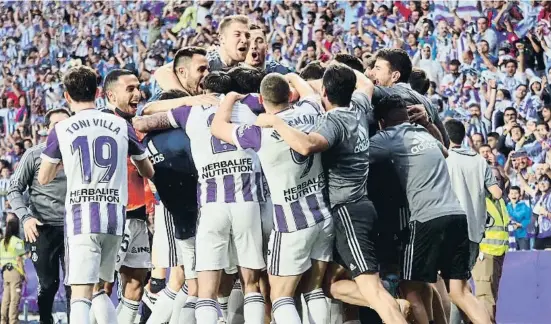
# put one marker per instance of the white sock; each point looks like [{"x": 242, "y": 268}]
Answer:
[
  {"x": 128, "y": 309},
  {"x": 284, "y": 311},
  {"x": 102, "y": 309},
  {"x": 162, "y": 310},
  {"x": 235, "y": 305},
  {"x": 318, "y": 308},
  {"x": 223, "y": 302},
  {"x": 93, "y": 316},
  {"x": 187, "y": 314},
  {"x": 206, "y": 312},
  {"x": 253, "y": 308},
  {"x": 80, "y": 310},
  {"x": 179, "y": 303},
  {"x": 336, "y": 312}
]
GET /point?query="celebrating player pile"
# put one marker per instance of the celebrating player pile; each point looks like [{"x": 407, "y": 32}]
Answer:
[{"x": 256, "y": 176}]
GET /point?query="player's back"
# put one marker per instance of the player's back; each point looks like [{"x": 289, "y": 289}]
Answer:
[
  {"x": 297, "y": 183},
  {"x": 422, "y": 171},
  {"x": 225, "y": 174},
  {"x": 94, "y": 147}
]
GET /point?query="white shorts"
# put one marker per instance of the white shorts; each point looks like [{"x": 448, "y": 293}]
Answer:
[
  {"x": 222, "y": 227},
  {"x": 291, "y": 254},
  {"x": 267, "y": 218},
  {"x": 90, "y": 258},
  {"x": 134, "y": 250},
  {"x": 186, "y": 254},
  {"x": 164, "y": 249}
]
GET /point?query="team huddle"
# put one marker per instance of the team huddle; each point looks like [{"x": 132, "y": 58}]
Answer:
[{"x": 261, "y": 189}]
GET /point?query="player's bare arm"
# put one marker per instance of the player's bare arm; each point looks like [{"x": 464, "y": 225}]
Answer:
[
  {"x": 145, "y": 168},
  {"x": 166, "y": 79},
  {"x": 150, "y": 123},
  {"x": 303, "y": 88},
  {"x": 302, "y": 143},
  {"x": 169, "y": 104},
  {"x": 221, "y": 126},
  {"x": 47, "y": 172},
  {"x": 364, "y": 84}
]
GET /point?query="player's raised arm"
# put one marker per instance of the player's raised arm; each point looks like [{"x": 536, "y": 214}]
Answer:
[
  {"x": 221, "y": 126},
  {"x": 51, "y": 158},
  {"x": 169, "y": 104},
  {"x": 302, "y": 86},
  {"x": 302, "y": 143}
]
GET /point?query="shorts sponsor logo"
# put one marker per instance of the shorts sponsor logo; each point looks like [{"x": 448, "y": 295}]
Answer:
[
  {"x": 352, "y": 267},
  {"x": 34, "y": 257},
  {"x": 142, "y": 249}
]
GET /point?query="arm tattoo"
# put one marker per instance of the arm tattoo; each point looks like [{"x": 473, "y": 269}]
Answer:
[{"x": 154, "y": 122}]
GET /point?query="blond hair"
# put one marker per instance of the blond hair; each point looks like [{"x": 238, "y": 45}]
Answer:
[{"x": 230, "y": 20}]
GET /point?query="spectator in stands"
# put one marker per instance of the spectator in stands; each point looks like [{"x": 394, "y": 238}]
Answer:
[{"x": 520, "y": 214}]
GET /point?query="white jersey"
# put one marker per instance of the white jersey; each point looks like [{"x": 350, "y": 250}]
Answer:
[
  {"x": 297, "y": 183},
  {"x": 226, "y": 174},
  {"x": 93, "y": 147}
]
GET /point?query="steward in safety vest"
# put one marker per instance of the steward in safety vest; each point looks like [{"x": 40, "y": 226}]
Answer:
[{"x": 496, "y": 236}]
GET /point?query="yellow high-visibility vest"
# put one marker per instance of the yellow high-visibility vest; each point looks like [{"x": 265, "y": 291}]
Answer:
[{"x": 496, "y": 237}]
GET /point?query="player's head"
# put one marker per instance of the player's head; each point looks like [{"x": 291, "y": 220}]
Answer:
[
  {"x": 455, "y": 130},
  {"x": 339, "y": 83},
  {"x": 81, "y": 86},
  {"x": 122, "y": 90},
  {"x": 312, "y": 71},
  {"x": 235, "y": 37},
  {"x": 190, "y": 67},
  {"x": 172, "y": 94},
  {"x": 419, "y": 81},
  {"x": 351, "y": 61},
  {"x": 392, "y": 65},
  {"x": 246, "y": 80},
  {"x": 217, "y": 82},
  {"x": 274, "y": 92},
  {"x": 391, "y": 111},
  {"x": 54, "y": 116},
  {"x": 257, "y": 50}
]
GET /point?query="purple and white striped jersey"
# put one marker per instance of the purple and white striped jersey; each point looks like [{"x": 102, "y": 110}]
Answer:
[
  {"x": 226, "y": 174},
  {"x": 93, "y": 147},
  {"x": 297, "y": 183}
]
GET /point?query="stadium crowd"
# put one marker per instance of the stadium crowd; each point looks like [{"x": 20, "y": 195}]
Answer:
[{"x": 483, "y": 63}]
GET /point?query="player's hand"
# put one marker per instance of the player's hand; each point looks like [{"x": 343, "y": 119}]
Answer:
[
  {"x": 418, "y": 114},
  {"x": 235, "y": 96},
  {"x": 265, "y": 120},
  {"x": 29, "y": 227}
]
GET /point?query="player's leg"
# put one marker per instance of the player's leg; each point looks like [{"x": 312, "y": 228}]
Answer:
[
  {"x": 133, "y": 270},
  {"x": 247, "y": 240},
  {"x": 290, "y": 256},
  {"x": 311, "y": 285},
  {"x": 267, "y": 220},
  {"x": 160, "y": 261},
  {"x": 45, "y": 255},
  {"x": 212, "y": 248},
  {"x": 455, "y": 262},
  {"x": 165, "y": 255},
  {"x": 224, "y": 291},
  {"x": 184, "y": 308},
  {"x": 103, "y": 309},
  {"x": 355, "y": 243},
  {"x": 187, "y": 313},
  {"x": 83, "y": 261}
]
